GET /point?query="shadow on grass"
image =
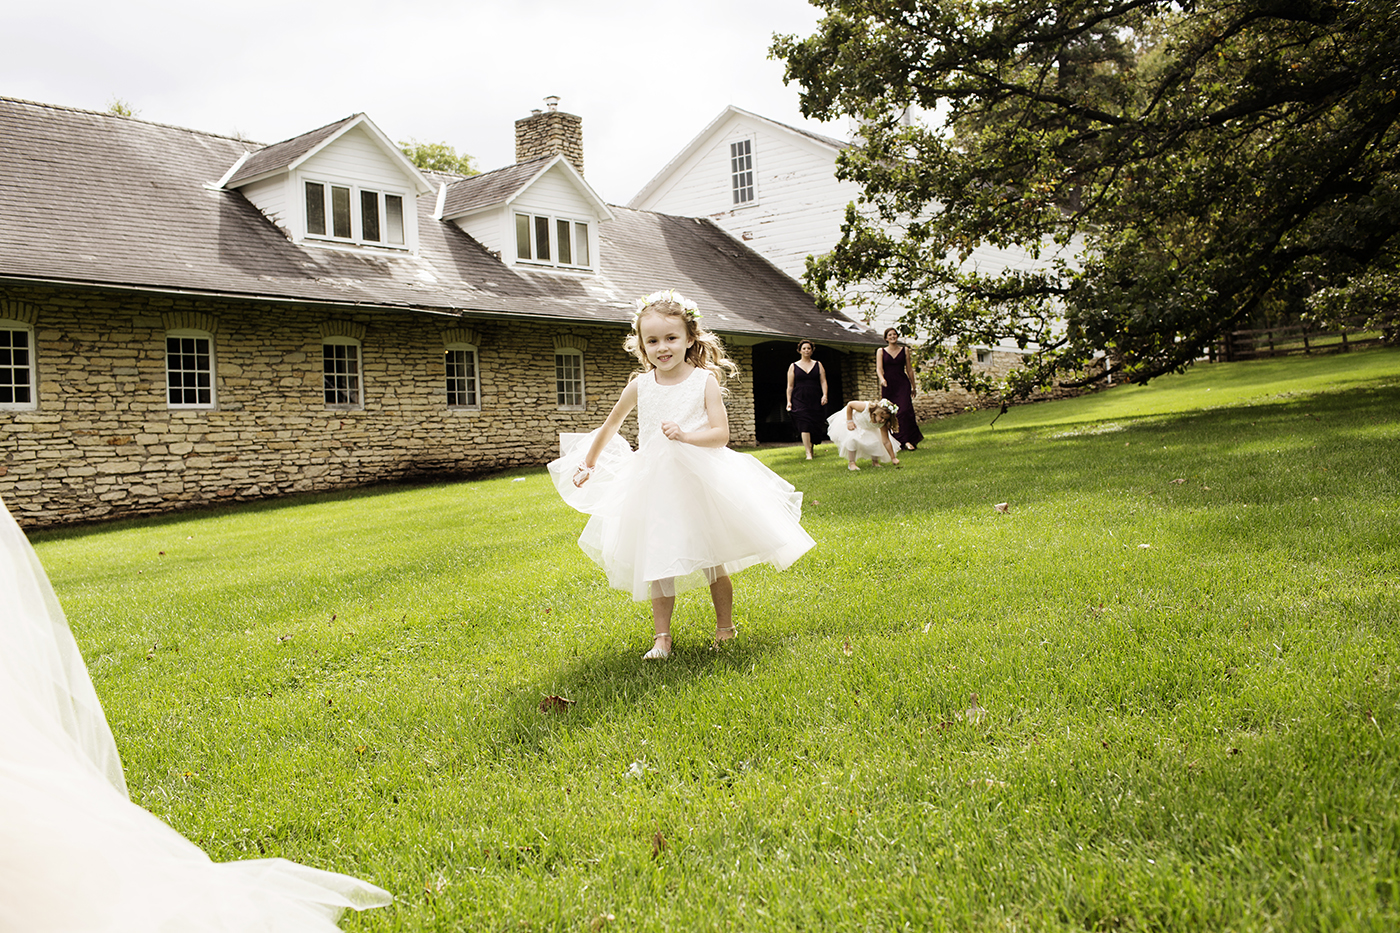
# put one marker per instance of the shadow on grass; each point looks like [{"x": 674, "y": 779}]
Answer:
[{"x": 607, "y": 687}]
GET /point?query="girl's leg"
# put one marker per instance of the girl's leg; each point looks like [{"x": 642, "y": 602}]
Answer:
[
  {"x": 662, "y": 606},
  {"x": 851, "y": 461},
  {"x": 722, "y": 595},
  {"x": 807, "y": 443}
]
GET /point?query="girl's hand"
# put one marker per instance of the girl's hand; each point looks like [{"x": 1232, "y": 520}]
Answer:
[
  {"x": 850, "y": 425},
  {"x": 581, "y": 474},
  {"x": 672, "y": 430}
]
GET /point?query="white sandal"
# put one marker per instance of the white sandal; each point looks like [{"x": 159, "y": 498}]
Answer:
[{"x": 658, "y": 652}]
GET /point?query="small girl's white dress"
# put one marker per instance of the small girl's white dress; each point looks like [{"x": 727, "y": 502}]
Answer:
[
  {"x": 864, "y": 440},
  {"x": 675, "y": 514}
]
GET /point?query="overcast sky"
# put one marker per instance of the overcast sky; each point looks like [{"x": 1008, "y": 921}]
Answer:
[{"x": 646, "y": 76}]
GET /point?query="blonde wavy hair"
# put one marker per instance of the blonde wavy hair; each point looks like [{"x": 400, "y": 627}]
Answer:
[{"x": 705, "y": 352}]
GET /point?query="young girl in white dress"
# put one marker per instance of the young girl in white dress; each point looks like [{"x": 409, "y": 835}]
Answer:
[
  {"x": 683, "y": 510},
  {"x": 862, "y": 429}
]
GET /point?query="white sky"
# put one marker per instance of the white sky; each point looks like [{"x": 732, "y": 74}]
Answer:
[{"x": 646, "y": 76}]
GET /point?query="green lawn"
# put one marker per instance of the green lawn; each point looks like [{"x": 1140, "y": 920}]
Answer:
[{"x": 1182, "y": 639}]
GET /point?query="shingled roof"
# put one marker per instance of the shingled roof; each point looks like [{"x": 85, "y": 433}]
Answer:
[{"x": 101, "y": 200}]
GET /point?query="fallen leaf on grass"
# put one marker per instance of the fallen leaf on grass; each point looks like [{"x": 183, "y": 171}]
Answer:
[
  {"x": 554, "y": 704},
  {"x": 1144, "y": 547},
  {"x": 927, "y": 626},
  {"x": 601, "y": 921},
  {"x": 635, "y": 770},
  {"x": 847, "y": 650},
  {"x": 658, "y": 845},
  {"x": 282, "y": 638},
  {"x": 974, "y": 713},
  {"x": 1002, "y": 507},
  {"x": 1178, "y": 482}
]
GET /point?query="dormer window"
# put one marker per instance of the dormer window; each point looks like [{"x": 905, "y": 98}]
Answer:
[
  {"x": 555, "y": 241},
  {"x": 353, "y": 214}
]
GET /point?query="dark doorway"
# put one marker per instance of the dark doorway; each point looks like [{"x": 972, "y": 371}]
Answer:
[{"x": 770, "y": 364}]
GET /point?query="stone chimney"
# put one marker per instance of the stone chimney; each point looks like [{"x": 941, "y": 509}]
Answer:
[{"x": 550, "y": 132}]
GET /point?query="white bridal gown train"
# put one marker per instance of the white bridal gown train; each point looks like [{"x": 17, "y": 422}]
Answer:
[{"x": 75, "y": 853}]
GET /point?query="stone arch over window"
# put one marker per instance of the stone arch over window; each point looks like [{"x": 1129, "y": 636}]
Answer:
[{"x": 190, "y": 320}]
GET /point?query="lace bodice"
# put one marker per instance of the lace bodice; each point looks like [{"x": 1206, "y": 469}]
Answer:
[{"x": 684, "y": 404}]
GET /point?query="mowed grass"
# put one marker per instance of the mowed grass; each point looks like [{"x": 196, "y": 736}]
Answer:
[{"x": 1181, "y": 638}]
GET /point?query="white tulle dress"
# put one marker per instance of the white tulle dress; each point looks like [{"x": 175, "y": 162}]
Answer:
[
  {"x": 864, "y": 441},
  {"x": 675, "y": 514},
  {"x": 76, "y": 854}
]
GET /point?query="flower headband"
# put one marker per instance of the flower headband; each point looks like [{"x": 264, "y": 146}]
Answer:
[
  {"x": 889, "y": 406},
  {"x": 689, "y": 309}
]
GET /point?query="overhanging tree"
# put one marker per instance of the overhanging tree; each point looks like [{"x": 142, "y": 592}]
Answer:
[{"x": 1194, "y": 163}]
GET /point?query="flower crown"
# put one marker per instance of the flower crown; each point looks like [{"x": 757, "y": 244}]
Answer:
[
  {"x": 889, "y": 406},
  {"x": 689, "y": 309}
]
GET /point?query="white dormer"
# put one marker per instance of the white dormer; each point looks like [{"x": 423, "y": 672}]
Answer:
[
  {"x": 344, "y": 185},
  {"x": 539, "y": 214}
]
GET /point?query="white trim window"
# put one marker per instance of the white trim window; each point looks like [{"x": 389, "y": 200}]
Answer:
[
  {"x": 568, "y": 379},
  {"x": 189, "y": 369},
  {"x": 340, "y": 369},
  {"x": 554, "y": 241},
  {"x": 16, "y": 366},
  {"x": 741, "y": 171},
  {"x": 463, "y": 382},
  {"x": 352, "y": 214}
]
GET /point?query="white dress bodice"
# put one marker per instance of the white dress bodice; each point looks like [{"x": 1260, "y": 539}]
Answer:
[{"x": 683, "y": 403}]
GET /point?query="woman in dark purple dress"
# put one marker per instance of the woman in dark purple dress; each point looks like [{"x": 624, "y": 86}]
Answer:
[
  {"x": 897, "y": 383},
  {"x": 806, "y": 395}
]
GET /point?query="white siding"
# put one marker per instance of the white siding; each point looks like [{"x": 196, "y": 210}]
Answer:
[
  {"x": 799, "y": 203},
  {"x": 554, "y": 193},
  {"x": 355, "y": 158},
  {"x": 487, "y": 228},
  {"x": 270, "y": 197}
]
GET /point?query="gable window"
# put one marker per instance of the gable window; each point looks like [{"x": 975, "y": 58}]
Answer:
[
  {"x": 360, "y": 215},
  {"x": 568, "y": 378},
  {"x": 16, "y": 365},
  {"x": 557, "y": 241},
  {"x": 189, "y": 369},
  {"x": 463, "y": 389},
  {"x": 340, "y": 368},
  {"x": 741, "y": 170}
]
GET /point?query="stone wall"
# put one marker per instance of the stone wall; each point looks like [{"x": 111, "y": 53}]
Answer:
[{"x": 103, "y": 443}]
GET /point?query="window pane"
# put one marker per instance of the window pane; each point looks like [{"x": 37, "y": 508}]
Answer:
[
  {"x": 581, "y": 244},
  {"x": 393, "y": 217},
  {"x": 741, "y": 170},
  {"x": 369, "y": 215},
  {"x": 341, "y": 369},
  {"x": 461, "y": 378},
  {"x": 188, "y": 371},
  {"x": 340, "y": 211},
  {"x": 568, "y": 377},
  {"x": 522, "y": 237},
  {"x": 565, "y": 253},
  {"x": 315, "y": 208},
  {"x": 542, "y": 238}
]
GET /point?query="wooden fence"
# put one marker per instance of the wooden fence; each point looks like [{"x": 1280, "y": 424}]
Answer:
[{"x": 1294, "y": 338}]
